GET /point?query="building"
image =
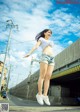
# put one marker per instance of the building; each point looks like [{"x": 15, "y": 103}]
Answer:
[{"x": 3, "y": 82}]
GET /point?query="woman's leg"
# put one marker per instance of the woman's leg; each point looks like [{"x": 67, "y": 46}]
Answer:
[
  {"x": 47, "y": 79},
  {"x": 43, "y": 70}
]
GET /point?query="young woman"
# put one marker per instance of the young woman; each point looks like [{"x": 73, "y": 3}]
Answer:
[{"x": 46, "y": 64}]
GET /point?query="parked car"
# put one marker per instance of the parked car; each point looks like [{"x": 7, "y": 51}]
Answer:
[{"x": 3, "y": 92}]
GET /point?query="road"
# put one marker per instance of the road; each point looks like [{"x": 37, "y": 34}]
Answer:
[{"x": 22, "y": 105}]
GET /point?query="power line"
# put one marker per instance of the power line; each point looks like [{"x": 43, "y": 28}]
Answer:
[
  {"x": 23, "y": 41},
  {"x": 11, "y": 25}
]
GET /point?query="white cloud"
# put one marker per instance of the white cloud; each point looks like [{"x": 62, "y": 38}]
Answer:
[
  {"x": 70, "y": 42},
  {"x": 2, "y": 57},
  {"x": 31, "y": 17},
  {"x": 62, "y": 23},
  {"x": 57, "y": 49}
]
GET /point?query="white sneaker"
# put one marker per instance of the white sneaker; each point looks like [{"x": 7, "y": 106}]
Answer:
[
  {"x": 46, "y": 100},
  {"x": 40, "y": 99}
]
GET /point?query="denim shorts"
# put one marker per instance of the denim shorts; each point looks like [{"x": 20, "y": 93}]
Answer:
[{"x": 47, "y": 59}]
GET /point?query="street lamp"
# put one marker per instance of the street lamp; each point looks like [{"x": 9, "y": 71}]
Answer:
[
  {"x": 11, "y": 25},
  {"x": 30, "y": 72},
  {"x": 28, "y": 86}
]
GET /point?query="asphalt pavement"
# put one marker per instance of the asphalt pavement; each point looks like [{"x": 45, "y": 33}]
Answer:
[{"x": 22, "y": 105}]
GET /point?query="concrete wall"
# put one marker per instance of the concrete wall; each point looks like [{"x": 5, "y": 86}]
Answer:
[
  {"x": 68, "y": 55},
  {"x": 29, "y": 90}
]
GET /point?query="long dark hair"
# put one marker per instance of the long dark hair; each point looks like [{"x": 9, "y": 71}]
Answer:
[{"x": 41, "y": 34}]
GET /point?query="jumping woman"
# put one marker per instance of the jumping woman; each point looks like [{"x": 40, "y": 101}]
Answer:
[{"x": 46, "y": 64}]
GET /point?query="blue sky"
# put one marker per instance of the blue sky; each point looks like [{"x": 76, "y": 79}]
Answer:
[{"x": 32, "y": 16}]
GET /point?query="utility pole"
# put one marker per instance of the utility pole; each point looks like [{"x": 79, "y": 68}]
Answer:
[
  {"x": 29, "y": 78},
  {"x": 28, "y": 86},
  {"x": 8, "y": 76},
  {"x": 11, "y": 25}
]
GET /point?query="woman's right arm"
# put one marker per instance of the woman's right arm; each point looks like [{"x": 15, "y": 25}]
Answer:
[{"x": 34, "y": 48}]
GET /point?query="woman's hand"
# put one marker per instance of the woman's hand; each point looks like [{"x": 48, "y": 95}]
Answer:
[
  {"x": 27, "y": 56},
  {"x": 33, "y": 49}
]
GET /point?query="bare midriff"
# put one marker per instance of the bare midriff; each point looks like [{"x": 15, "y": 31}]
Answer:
[{"x": 48, "y": 50}]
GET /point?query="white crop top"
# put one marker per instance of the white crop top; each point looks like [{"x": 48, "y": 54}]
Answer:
[{"x": 45, "y": 43}]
